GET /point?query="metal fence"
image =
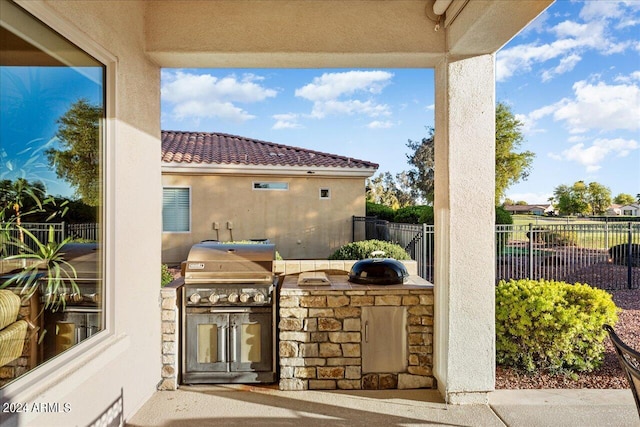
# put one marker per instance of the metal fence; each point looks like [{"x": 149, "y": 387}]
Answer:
[
  {"x": 41, "y": 231},
  {"x": 605, "y": 255},
  {"x": 416, "y": 239}
]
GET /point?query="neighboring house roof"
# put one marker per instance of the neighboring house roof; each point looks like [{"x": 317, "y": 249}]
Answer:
[
  {"x": 526, "y": 208},
  {"x": 230, "y": 152}
]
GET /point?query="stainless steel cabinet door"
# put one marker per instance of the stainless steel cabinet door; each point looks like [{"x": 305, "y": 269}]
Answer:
[
  {"x": 251, "y": 342},
  {"x": 208, "y": 335},
  {"x": 384, "y": 339}
]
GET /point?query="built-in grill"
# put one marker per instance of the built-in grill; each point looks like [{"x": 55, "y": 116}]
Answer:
[
  {"x": 229, "y": 314},
  {"x": 81, "y": 315}
]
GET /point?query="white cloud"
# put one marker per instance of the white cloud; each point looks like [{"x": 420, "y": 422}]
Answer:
[
  {"x": 566, "y": 64},
  {"x": 286, "y": 121},
  {"x": 628, "y": 79},
  {"x": 197, "y": 96},
  {"x": 334, "y": 85},
  {"x": 380, "y": 125},
  {"x": 572, "y": 39},
  {"x": 350, "y": 92},
  {"x": 595, "y": 106},
  {"x": 349, "y": 107},
  {"x": 601, "y": 106},
  {"x": 591, "y": 156}
]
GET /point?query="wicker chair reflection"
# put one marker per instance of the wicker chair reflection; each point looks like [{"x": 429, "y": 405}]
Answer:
[{"x": 630, "y": 362}]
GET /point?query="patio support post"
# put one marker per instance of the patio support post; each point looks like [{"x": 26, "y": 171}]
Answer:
[{"x": 464, "y": 324}]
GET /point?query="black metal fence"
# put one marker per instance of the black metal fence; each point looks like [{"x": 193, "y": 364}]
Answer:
[
  {"x": 605, "y": 255},
  {"x": 42, "y": 232}
]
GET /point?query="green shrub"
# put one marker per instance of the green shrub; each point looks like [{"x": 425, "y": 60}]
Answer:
[
  {"x": 414, "y": 214},
  {"x": 381, "y": 211},
  {"x": 560, "y": 238},
  {"x": 363, "y": 249},
  {"x": 552, "y": 326},
  {"x": 166, "y": 276},
  {"x": 503, "y": 217},
  {"x": 554, "y": 238}
]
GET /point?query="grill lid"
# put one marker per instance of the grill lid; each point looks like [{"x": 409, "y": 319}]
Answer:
[
  {"x": 378, "y": 271},
  {"x": 212, "y": 262}
]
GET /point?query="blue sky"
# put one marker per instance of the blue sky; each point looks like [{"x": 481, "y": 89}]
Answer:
[{"x": 572, "y": 77}]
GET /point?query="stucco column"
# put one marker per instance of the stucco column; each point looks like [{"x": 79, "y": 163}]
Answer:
[{"x": 464, "y": 324}]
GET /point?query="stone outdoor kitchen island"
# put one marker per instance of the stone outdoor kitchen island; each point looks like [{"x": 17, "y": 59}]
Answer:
[{"x": 322, "y": 335}]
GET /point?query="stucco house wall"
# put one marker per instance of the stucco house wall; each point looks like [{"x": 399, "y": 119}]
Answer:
[
  {"x": 297, "y": 220},
  {"x": 125, "y": 357}
]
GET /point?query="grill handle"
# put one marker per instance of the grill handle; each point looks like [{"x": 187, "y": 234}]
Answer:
[
  {"x": 222, "y": 344},
  {"x": 232, "y": 343},
  {"x": 366, "y": 331}
]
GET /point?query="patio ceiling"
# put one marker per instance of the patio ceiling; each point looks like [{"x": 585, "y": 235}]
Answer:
[{"x": 327, "y": 33}]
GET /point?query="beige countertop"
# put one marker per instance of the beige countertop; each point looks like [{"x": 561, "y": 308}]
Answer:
[{"x": 341, "y": 283}]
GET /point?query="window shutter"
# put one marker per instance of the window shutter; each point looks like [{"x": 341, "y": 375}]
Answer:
[{"x": 175, "y": 209}]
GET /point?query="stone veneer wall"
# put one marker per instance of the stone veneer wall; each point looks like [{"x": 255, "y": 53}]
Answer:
[
  {"x": 171, "y": 302},
  {"x": 320, "y": 337}
]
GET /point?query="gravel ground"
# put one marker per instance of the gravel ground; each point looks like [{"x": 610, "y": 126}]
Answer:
[{"x": 609, "y": 375}]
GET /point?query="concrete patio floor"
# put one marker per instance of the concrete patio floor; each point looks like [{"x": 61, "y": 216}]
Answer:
[{"x": 242, "y": 405}]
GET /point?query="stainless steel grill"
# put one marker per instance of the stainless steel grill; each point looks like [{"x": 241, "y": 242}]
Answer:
[
  {"x": 228, "y": 309},
  {"x": 81, "y": 316}
]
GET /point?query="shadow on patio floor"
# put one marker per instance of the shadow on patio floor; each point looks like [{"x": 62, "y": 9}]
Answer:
[{"x": 267, "y": 406}]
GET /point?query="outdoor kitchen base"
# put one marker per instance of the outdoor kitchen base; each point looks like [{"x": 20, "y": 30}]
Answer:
[{"x": 338, "y": 336}]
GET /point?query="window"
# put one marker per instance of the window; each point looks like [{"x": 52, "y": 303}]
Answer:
[
  {"x": 325, "y": 193},
  {"x": 52, "y": 133},
  {"x": 283, "y": 186},
  {"x": 176, "y": 210}
]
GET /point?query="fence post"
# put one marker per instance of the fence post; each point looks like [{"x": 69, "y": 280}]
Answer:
[
  {"x": 423, "y": 258},
  {"x": 353, "y": 228},
  {"x": 629, "y": 257},
  {"x": 530, "y": 255}
]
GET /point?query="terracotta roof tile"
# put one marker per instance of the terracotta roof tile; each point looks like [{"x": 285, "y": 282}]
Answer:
[{"x": 220, "y": 148}]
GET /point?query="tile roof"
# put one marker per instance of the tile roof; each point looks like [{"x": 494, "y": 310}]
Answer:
[{"x": 219, "y": 148}]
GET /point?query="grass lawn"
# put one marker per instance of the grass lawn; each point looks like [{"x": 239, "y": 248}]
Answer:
[{"x": 550, "y": 220}]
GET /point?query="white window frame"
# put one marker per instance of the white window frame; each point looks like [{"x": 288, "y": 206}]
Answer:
[
  {"x": 104, "y": 344},
  {"x": 328, "y": 190},
  {"x": 253, "y": 185},
  {"x": 179, "y": 187}
]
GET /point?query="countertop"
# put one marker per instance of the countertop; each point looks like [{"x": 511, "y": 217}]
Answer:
[{"x": 341, "y": 283}]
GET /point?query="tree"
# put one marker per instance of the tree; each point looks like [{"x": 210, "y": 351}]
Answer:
[
  {"x": 18, "y": 196},
  {"x": 421, "y": 176},
  {"x": 624, "y": 199},
  {"x": 385, "y": 190},
  {"x": 599, "y": 198},
  {"x": 78, "y": 159},
  {"x": 511, "y": 166},
  {"x": 582, "y": 198}
]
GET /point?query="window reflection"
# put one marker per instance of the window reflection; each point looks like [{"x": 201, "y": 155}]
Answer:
[{"x": 52, "y": 110}]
